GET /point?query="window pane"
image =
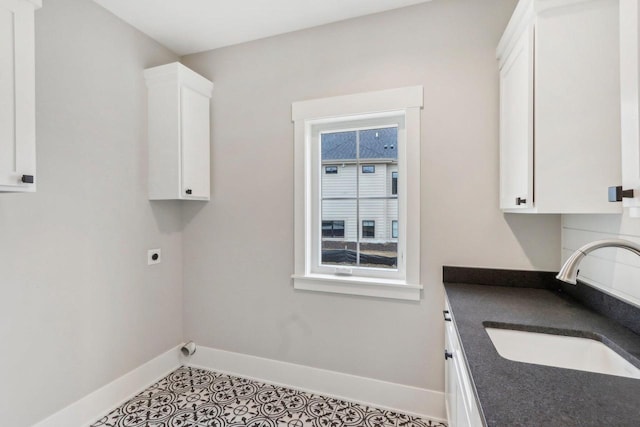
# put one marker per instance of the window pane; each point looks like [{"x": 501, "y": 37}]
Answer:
[
  {"x": 338, "y": 152},
  {"x": 333, "y": 229},
  {"x": 394, "y": 182},
  {"x": 379, "y": 144},
  {"x": 358, "y": 208},
  {"x": 368, "y": 169},
  {"x": 339, "y": 240},
  {"x": 339, "y": 235},
  {"x": 330, "y": 169},
  {"x": 377, "y": 203},
  {"x": 369, "y": 229}
]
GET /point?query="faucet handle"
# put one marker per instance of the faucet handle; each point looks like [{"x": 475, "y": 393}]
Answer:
[{"x": 616, "y": 194}]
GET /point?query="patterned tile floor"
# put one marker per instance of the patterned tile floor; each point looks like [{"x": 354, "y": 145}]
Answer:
[{"x": 190, "y": 397}]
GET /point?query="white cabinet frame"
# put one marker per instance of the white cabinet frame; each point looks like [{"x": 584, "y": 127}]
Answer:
[
  {"x": 630, "y": 101},
  {"x": 179, "y": 139},
  {"x": 17, "y": 95},
  {"x": 560, "y": 107}
]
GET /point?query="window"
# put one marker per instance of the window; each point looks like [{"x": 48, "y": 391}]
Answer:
[
  {"x": 368, "y": 168},
  {"x": 394, "y": 183},
  {"x": 358, "y": 133},
  {"x": 360, "y": 200},
  {"x": 330, "y": 169},
  {"x": 369, "y": 229},
  {"x": 333, "y": 229}
]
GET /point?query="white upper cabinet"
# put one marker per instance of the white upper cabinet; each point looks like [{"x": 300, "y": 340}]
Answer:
[
  {"x": 516, "y": 124},
  {"x": 560, "y": 107},
  {"x": 179, "y": 133},
  {"x": 630, "y": 100},
  {"x": 17, "y": 95}
]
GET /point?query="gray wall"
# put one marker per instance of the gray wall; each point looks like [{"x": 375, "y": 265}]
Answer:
[
  {"x": 238, "y": 249},
  {"x": 79, "y": 306}
]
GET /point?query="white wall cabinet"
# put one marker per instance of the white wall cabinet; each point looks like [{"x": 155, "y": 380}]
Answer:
[
  {"x": 17, "y": 95},
  {"x": 460, "y": 401},
  {"x": 179, "y": 133},
  {"x": 559, "y": 107},
  {"x": 630, "y": 101}
]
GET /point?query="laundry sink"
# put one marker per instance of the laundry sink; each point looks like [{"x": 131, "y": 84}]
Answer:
[{"x": 583, "y": 354}]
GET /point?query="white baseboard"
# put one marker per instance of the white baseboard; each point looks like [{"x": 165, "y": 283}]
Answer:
[
  {"x": 99, "y": 403},
  {"x": 381, "y": 394}
]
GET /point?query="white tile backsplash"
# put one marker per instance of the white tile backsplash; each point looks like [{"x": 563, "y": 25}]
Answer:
[{"x": 616, "y": 271}]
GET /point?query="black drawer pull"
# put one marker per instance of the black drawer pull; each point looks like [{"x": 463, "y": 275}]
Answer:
[{"x": 616, "y": 194}]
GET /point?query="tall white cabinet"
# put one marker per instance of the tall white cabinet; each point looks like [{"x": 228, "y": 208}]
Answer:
[
  {"x": 178, "y": 133},
  {"x": 560, "y": 107},
  {"x": 630, "y": 101},
  {"x": 17, "y": 95}
]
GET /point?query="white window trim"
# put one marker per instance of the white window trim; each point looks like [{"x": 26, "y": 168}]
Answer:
[{"x": 305, "y": 114}]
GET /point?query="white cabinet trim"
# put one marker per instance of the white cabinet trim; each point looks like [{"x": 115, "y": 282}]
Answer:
[{"x": 305, "y": 114}]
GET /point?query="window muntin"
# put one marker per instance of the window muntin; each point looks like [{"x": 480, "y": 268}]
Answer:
[{"x": 362, "y": 201}]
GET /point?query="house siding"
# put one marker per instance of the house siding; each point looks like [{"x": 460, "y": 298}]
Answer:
[{"x": 345, "y": 184}]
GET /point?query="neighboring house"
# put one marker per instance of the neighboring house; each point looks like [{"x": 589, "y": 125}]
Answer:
[{"x": 359, "y": 178}]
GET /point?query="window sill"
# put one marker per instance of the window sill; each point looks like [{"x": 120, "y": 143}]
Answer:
[{"x": 381, "y": 288}]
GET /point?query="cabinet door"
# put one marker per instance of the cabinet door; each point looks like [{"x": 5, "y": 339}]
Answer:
[
  {"x": 450, "y": 382},
  {"x": 577, "y": 99},
  {"x": 463, "y": 418},
  {"x": 17, "y": 94},
  {"x": 195, "y": 144},
  {"x": 630, "y": 99},
  {"x": 516, "y": 125}
]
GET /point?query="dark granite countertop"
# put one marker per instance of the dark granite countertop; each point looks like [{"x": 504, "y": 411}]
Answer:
[{"x": 521, "y": 394}]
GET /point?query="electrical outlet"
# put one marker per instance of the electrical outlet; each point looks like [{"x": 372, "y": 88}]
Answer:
[{"x": 154, "y": 256}]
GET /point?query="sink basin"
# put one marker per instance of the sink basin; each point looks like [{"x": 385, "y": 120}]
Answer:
[{"x": 583, "y": 354}]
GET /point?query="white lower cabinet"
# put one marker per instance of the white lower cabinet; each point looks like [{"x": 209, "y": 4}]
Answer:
[{"x": 462, "y": 409}]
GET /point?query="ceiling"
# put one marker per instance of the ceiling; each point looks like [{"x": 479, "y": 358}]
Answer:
[{"x": 189, "y": 26}]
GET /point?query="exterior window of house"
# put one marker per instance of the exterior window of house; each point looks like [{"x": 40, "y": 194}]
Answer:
[
  {"x": 369, "y": 229},
  {"x": 361, "y": 201},
  {"x": 333, "y": 229},
  {"x": 330, "y": 169},
  {"x": 368, "y": 168},
  {"x": 394, "y": 183},
  {"x": 376, "y": 133}
]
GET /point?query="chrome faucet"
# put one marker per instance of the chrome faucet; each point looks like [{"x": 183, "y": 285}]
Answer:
[{"x": 569, "y": 271}]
